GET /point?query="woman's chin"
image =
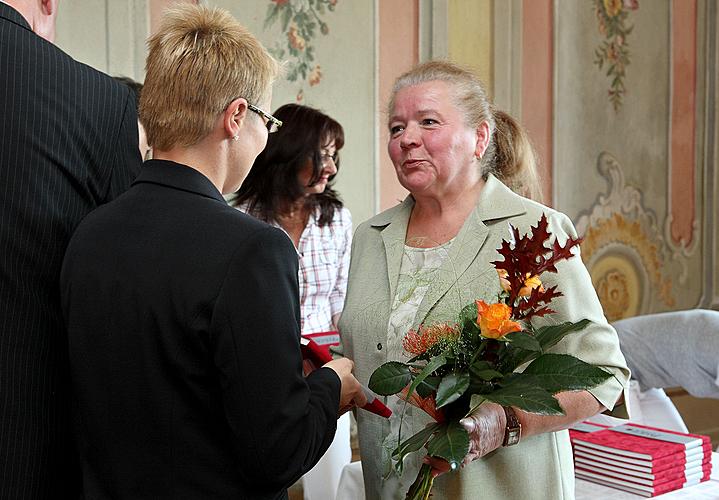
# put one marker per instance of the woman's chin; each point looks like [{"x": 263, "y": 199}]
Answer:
[{"x": 316, "y": 189}]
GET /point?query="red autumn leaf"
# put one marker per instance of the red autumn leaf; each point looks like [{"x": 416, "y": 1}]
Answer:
[
  {"x": 535, "y": 304},
  {"x": 527, "y": 257}
]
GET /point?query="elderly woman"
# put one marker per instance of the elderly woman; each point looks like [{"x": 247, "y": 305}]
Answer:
[
  {"x": 422, "y": 260},
  {"x": 182, "y": 312}
]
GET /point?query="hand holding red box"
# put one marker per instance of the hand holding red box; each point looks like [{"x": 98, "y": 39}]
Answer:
[{"x": 317, "y": 355}]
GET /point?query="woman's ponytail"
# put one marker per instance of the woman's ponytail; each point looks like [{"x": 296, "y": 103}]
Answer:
[{"x": 515, "y": 162}]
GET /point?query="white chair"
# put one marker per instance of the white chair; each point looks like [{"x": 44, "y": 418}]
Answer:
[{"x": 673, "y": 349}]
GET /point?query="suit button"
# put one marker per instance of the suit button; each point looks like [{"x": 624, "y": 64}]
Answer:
[{"x": 379, "y": 346}]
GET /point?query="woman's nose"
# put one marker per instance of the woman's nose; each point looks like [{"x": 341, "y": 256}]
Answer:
[
  {"x": 410, "y": 136},
  {"x": 328, "y": 165}
]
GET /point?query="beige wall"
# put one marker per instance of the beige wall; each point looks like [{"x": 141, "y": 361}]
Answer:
[
  {"x": 106, "y": 34},
  {"x": 638, "y": 178}
]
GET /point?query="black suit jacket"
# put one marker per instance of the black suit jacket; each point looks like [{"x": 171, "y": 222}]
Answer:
[
  {"x": 68, "y": 143},
  {"x": 183, "y": 321}
]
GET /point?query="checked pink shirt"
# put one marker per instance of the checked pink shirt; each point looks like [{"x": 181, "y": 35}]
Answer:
[{"x": 324, "y": 257}]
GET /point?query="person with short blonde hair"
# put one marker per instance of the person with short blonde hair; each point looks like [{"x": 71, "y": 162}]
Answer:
[
  {"x": 199, "y": 61},
  {"x": 182, "y": 312}
]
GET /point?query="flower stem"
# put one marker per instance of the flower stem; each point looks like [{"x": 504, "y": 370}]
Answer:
[{"x": 421, "y": 489}]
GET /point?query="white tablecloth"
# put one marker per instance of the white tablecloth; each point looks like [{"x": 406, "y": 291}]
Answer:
[{"x": 351, "y": 487}]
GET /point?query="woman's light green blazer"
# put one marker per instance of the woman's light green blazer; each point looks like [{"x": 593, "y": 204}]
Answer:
[{"x": 539, "y": 467}]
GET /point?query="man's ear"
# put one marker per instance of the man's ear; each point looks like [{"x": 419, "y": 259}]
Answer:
[
  {"x": 48, "y": 7},
  {"x": 45, "y": 20},
  {"x": 234, "y": 117}
]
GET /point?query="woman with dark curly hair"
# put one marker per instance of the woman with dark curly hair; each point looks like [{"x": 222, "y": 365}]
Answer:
[{"x": 290, "y": 187}]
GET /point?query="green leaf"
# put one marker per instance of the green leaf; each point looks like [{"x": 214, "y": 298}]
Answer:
[
  {"x": 526, "y": 397},
  {"x": 271, "y": 17},
  {"x": 286, "y": 17},
  {"x": 562, "y": 372},
  {"x": 390, "y": 378},
  {"x": 428, "y": 386},
  {"x": 434, "y": 363},
  {"x": 451, "y": 442},
  {"x": 483, "y": 370},
  {"x": 479, "y": 386},
  {"x": 548, "y": 336},
  {"x": 523, "y": 340},
  {"x": 514, "y": 357},
  {"x": 451, "y": 388},
  {"x": 468, "y": 314},
  {"x": 475, "y": 401},
  {"x": 412, "y": 444}
]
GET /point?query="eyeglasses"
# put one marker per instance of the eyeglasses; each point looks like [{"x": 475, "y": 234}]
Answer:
[
  {"x": 272, "y": 123},
  {"x": 326, "y": 157}
]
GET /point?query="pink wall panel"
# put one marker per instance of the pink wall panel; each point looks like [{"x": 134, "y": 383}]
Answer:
[
  {"x": 537, "y": 83},
  {"x": 683, "y": 121},
  {"x": 398, "y": 52}
]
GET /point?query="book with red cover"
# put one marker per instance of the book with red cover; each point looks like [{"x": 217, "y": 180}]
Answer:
[
  {"x": 584, "y": 427},
  {"x": 643, "y": 460},
  {"x": 316, "y": 355},
  {"x": 677, "y": 461},
  {"x": 642, "y": 442},
  {"x": 699, "y": 472},
  {"x": 638, "y": 489}
]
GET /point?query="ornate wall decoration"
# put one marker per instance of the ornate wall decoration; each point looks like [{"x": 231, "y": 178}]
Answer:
[
  {"x": 624, "y": 249},
  {"x": 612, "y": 16},
  {"x": 300, "y": 21}
]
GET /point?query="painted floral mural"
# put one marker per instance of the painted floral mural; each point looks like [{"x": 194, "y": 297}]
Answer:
[
  {"x": 613, "y": 52},
  {"x": 300, "y": 22}
]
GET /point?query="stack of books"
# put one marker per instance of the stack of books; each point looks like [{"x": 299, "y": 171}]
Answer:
[{"x": 642, "y": 460}]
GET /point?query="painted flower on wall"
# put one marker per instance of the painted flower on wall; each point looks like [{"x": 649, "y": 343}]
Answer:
[
  {"x": 613, "y": 52},
  {"x": 315, "y": 76},
  {"x": 300, "y": 21},
  {"x": 612, "y": 7}
]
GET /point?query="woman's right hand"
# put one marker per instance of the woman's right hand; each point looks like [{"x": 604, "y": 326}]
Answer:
[{"x": 351, "y": 393}]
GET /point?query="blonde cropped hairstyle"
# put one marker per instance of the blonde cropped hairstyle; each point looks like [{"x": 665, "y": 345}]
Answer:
[
  {"x": 198, "y": 62},
  {"x": 510, "y": 155}
]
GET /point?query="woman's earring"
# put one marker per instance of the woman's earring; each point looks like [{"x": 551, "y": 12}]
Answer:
[{"x": 236, "y": 137}]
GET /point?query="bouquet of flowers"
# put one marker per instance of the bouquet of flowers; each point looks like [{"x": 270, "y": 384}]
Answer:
[{"x": 454, "y": 368}]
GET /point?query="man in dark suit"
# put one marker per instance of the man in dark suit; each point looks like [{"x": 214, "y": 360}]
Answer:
[
  {"x": 182, "y": 312},
  {"x": 68, "y": 143}
]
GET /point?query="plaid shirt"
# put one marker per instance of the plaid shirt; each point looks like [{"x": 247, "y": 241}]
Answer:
[{"x": 324, "y": 256}]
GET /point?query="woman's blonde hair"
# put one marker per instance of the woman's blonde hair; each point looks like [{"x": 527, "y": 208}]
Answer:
[
  {"x": 198, "y": 62},
  {"x": 510, "y": 155}
]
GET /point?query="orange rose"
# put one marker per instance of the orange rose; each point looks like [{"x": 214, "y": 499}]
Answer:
[{"x": 493, "y": 320}]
